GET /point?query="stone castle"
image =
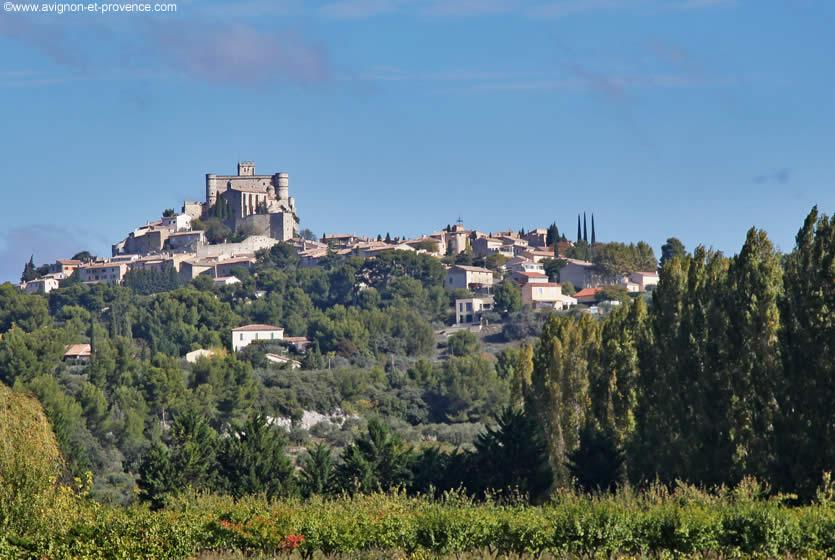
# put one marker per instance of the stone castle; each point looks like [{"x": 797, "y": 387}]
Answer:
[{"x": 257, "y": 204}]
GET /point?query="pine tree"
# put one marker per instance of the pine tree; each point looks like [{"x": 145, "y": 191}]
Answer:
[
  {"x": 377, "y": 460},
  {"x": 253, "y": 460},
  {"x": 317, "y": 470},
  {"x": 512, "y": 455}
]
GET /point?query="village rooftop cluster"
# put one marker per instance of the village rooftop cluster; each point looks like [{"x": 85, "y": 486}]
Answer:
[{"x": 260, "y": 211}]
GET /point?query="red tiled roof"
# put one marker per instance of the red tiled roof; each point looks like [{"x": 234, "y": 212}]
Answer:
[
  {"x": 257, "y": 327},
  {"x": 533, "y": 274},
  {"x": 588, "y": 292}
]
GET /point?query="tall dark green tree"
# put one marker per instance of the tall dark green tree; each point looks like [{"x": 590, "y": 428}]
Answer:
[
  {"x": 553, "y": 234},
  {"x": 593, "y": 235},
  {"x": 672, "y": 248},
  {"x": 253, "y": 460},
  {"x": 597, "y": 465},
  {"x": 579, "y": 231},
  {"x": 29, "y": 270},
  {"x": 512, "y": 455},
  {"x": 377, "y": 460},
  {"x": 585, "y": 231},
  {"x": 806, "y": 422},
  {"x": 318, "y": 469},
  {"x": 564, "y": 363},
  {"x": 753, "y": 361}
]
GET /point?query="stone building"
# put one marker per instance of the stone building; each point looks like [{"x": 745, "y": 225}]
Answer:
[{"x": 260, "y": 204}]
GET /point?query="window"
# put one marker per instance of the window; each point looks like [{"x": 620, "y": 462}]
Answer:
[{"x": 242, "y": 336}]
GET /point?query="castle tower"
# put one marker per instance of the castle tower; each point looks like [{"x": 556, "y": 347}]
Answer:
[
  {"x": 246, "y": 168},
  {"x": 211, "y": 189},
  {"x": 283, "y": 180}
]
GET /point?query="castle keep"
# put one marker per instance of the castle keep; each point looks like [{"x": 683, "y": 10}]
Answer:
[{"x": 258, "y": 204}]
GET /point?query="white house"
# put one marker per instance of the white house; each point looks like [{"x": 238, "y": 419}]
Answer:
[
  {"x": 41, "y": 285},
  {"x": 247, "y": 334},
  {"x": 226, "y": 281},
  {"x": 644, "y": 280},
  {"x": 468, "y": 311},
  {"x": 468, "y": 277},
  {"x": 546, "y": 295}
]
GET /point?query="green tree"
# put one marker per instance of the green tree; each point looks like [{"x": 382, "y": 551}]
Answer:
[
  {"x": 188, "y": 461},
  {"x": 563, "y": 365},
  {"x": 671, "y": 249},
  {"x": 806, "y": 423},
  {"x": 462, "y": 343},
  {"x": 753, "y": 360},
  {"x": 253, "y": 460},
  {"x": 317, "y": 474},
  {"x": 29, "y": 270},
  {"x": 377, "y": 460},
  {"x": 27, "y": 312},
  {"x": 513, "y": 455},
  {"x": 507, "y": 297},
  {"x": 598, "y": 463}
]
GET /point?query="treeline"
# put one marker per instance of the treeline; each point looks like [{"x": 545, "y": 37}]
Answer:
[{"x": 730, "y": 372}]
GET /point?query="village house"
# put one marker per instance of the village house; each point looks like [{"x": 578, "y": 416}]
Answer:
[
  {"x": 645, "y": 280},
  {"x": 588, "y": 295},
  {"x": 469, "y": 278},
  {"x": 65, "y": 267},
  {"x": 226, "y": 281},
  {"x": 200, "y": 353},
  {"x": 468, "y": 311},
  {"x": 281, "y": 360},
  {"x": 546, "y": 295},
  {"x": 247, "y": 334},
  {"x": 42, "y": 285},
  {"x": 186, "y": 241},
  {"x": 521, "y": 264},
  {"x": 581, "y": 274},
  {"x": 537, "y": 237},
  {"x": 628, "y": 285},
  {"x": 533, "y": 277},
  {"x": 77, "y": 353},
  {"x": 107, "y": 272}
]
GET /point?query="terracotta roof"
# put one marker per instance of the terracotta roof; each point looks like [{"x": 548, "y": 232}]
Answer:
[
  {"x": 646, "y": 273},
  {"x": 68, "y": 261},
  {"x": 588, "y": 292},
  {"x": 532, "y": 274},
  {"x": 257, "y": 327}
]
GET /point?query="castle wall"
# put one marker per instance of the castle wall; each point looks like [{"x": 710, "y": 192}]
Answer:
[{"x": 246, "y": 247}]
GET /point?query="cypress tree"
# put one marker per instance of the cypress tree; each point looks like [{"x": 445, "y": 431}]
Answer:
[
  {"x": 593, "y": 236},
  {"x": 29, "y": 271},
  {"x": 579, "y": 235},
  {"x": 585, "y": 231}
]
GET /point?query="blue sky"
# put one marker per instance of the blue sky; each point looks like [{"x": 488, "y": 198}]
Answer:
[{"x": 687, "y": 118}]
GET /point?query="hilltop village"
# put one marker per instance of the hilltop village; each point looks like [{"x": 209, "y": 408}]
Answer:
[
  {"x": 245, "y": 213},
  {"x": 440, "y": 355}
]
